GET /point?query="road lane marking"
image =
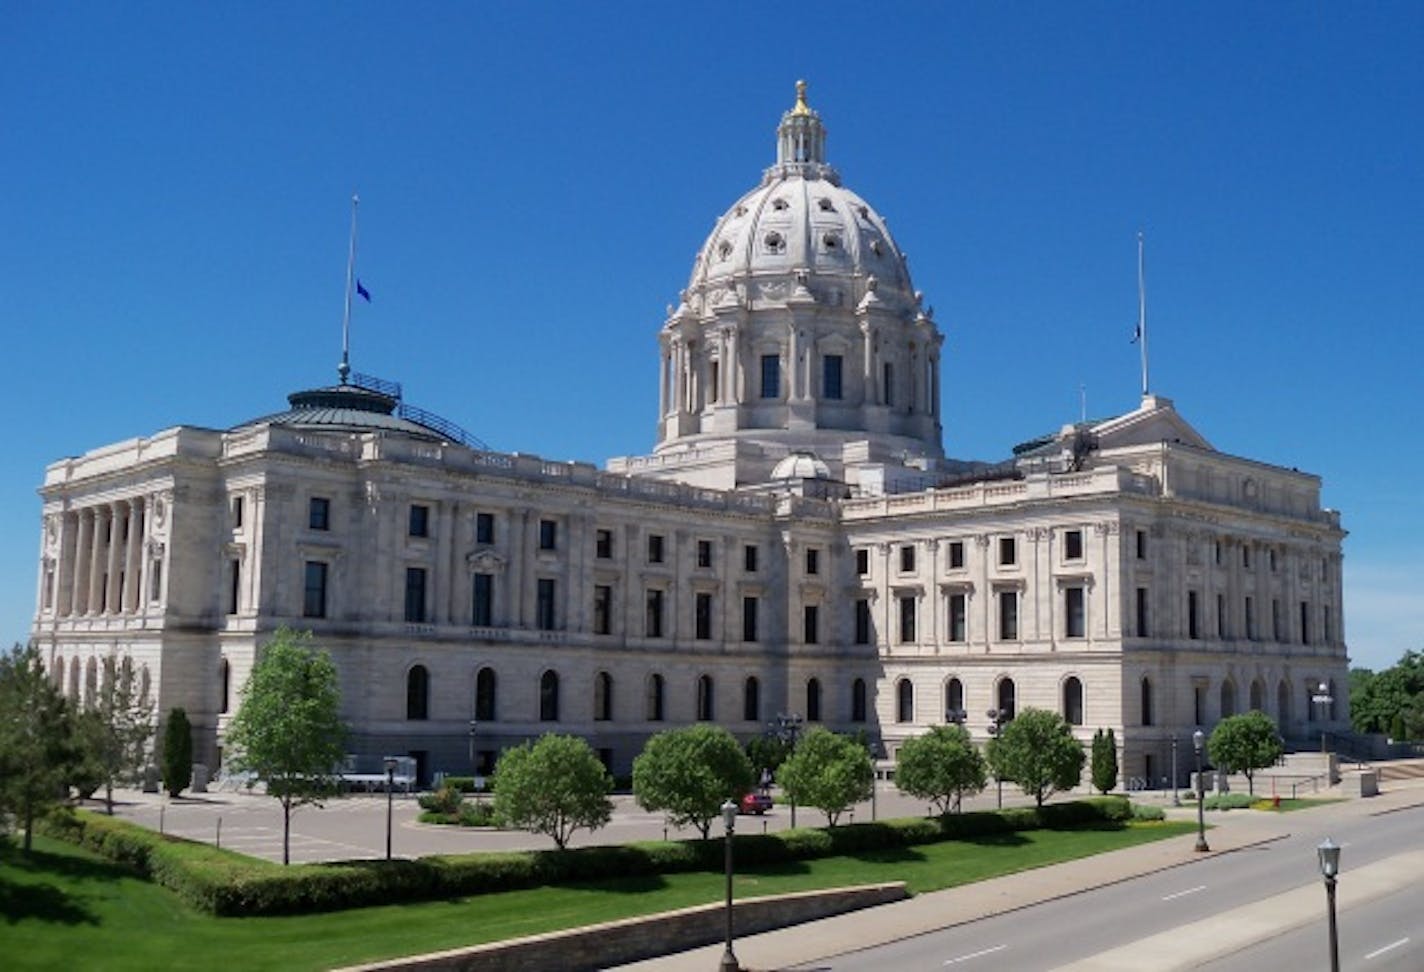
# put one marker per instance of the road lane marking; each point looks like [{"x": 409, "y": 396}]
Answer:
[
  {"x": 1389, "y": 947},
  {"x": 975, "y": 955},
  {"x": 1183, "y": 894}
]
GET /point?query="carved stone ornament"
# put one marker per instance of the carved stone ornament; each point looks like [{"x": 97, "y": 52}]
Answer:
[{"x": 485, "y": 561}]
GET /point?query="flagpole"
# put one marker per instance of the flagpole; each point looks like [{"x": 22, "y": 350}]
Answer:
[
  {"x": 1142, "y": 312},
  {"x": 345, "y": 370}
]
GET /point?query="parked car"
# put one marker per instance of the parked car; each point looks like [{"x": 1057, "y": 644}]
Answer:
[{"x": 754, "y": 802}]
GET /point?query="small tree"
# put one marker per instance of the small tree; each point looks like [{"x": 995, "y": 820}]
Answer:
[
  {"x": 941, "y": 766},
  {"x": 1038, "y": 752},
  {"x": 177, "y": 760},
  {"x": 552, "y": 786},
  {"x": 288, "y": 730},
  {"x": 688, "y": 773},
  {"x": 36, "y": 740},
  {"x": 829, "y": 772},
  {"x": 1245, "y": 743},
  {"x": 116, "y": 729},
  {"x": 767, "y": 752},
  {"x": 1103, "y": 767}
]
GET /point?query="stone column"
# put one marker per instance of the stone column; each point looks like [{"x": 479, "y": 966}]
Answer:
[
  {"x": 83, "y": 550},
  {"x": 64, "y": 569},
  {"x": 793, "y": 365},
  {"x": 133, "y": 557},
  {"x": 95, "y": 580}
]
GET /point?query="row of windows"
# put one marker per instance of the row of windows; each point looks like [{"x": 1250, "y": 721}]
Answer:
[
  {"x": 1004, "y": 696},
  {"x": 832, "y": 376},
  {"x": 417, "y": 699},
  {"x": 1007, "y": 551}
]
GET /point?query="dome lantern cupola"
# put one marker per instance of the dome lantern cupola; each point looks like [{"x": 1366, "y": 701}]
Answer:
[{"x": 801, "y": 137}]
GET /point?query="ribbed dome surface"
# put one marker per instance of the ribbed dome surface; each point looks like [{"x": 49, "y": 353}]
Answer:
[{"x": 801, "y": 465}]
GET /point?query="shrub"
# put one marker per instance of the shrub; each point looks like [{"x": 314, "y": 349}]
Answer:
[
  {"x": 1228, "y": 801},
  {"x": 1144, "y": 811},
  {"x": 445, "y": 801}
]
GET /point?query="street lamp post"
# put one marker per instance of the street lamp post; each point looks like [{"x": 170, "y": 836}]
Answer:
[
  {"x": 1329, "y": 853},
  {"x": 474, "y": 767},
  {"x": 997, "y": 718},
  {"x": 1323, "y": 698},
  {"x": 390, "y": 762},
  {"x": 1176, "y": 801},
  {"x": 729, "y": 819},
  {"x": 1197, "y": 739}
]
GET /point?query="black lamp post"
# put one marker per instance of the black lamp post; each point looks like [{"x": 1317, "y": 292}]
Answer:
[
  {"x": 997, "y": 719},
  {"x": 1176, "y": 800},
  {"x": 1323, "y": 698},
  {"x": 390, "y": 762},
  {"x": 1197, "y": 739},
  {"x": 729, "y": 819},
  {"x": 1329, "y": 867},
  {"x": 474, "y": 767}
]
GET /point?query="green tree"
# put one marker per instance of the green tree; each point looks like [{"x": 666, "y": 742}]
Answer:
[
  {"x": 553, "y": 786},
  {"x": 177, "y": 763},
  {"x": 1103, "y": 764},
  {"x": 941, "y": 766},
  {"x": 688, "y": 773},
  {"x": 36, "y": 740},
  {"x": 767, "y": 752},
  {"x": 1245, "y": 743},
  {"x": 829, "y": 772},
  {"x": 288, "y": 731},
  {"x": 1038, "y": 752},
  {"x": 116, "y": 728},
  {"x": 1389, "y": 700}
]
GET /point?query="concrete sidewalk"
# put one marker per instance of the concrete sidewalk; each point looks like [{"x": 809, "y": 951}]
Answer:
[{"x": 813, "y": 941}]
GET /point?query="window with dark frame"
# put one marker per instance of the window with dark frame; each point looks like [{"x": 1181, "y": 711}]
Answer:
[
  {"x": 603, "y": 544},
  {"x": 862, "y": 621},
  {"x": 749, "y": 618},
  {"x": 704, "y": 553},
  {"x": 770, "y": 376},
  {"x": 1073, "y": 545},
  {"x": 548, "y": 535},
  {"x": 237, "y": 512},
  {"x": 544, "y": 615},
  {"x": 1142, "y": 612},
  {"x": 751, "y": 700},
  {"x": 1008, "y": 551},
  {"x": 653, "y": 708},
  {"x": 415, "y": 595},
  {"x": 702, "y": 616},
  {"x": 234, "y": 590},
  {"x": 602, "y": 609},
  {"x": 482, "y": 615},
  {"x": 1075, "y": 623},
  {"x": 319, "y": 513},
  {"x": 858, "y": 705},
  {"x": 602, "y": 697},
  {"x": 706, "y": 712},
  {"x": 813, "y": 700},
  {"x": 485, "y": 695},
  {"x": 314, "y": 590},
  {"x": 907, "y": 618},
  {"x": 655, "y": 548},
  {"x": 1141, "y": 544},
  {"x": 1193, "y": 615},
  {"x": 749, "y": 558},
  {"x": 813, "y": 561},
  {"x": 958, "y": 617},
  {"x": 419, "y": 525},
  {"x": 907, "y": 558},
  {"x": 549, "y": 697},
  {"x": 831, "y": 368},
  {"x": 484, "y": 528},
  {"x": 1008, "y": 615},
  {"x": 862, "y": 562},
  {"x": 417, "y": 693},
  {"x": 956, "y": 554},
  {"x": 810, "y": 624},
  {"x": 653, "y": 624}
]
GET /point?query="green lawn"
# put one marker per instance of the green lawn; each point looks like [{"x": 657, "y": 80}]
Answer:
[{"x": 67, "y": 908}]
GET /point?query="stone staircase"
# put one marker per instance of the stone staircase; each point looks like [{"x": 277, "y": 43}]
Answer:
[{"x": 1400, "y": 770}]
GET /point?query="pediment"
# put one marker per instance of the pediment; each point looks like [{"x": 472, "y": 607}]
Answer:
[
  {"x": 1155, "y": 420},
  {"x": 485, "y": 561}
]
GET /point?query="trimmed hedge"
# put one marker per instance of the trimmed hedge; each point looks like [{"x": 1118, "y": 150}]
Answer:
[{"x": 225, "y": 883}]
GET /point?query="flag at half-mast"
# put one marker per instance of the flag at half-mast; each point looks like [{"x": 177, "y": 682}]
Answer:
[{"x": 361, "y": 291}]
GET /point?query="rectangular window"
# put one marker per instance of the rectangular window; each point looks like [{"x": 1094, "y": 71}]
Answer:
[
  {"x": 1075, "y": 624},
  {"x": 831, "y": 366},
  {"x": 702, "y": 616},
  {"x": 1008, "y": 551},
  {"x": 1199, "y": 704},
  {"x": 770, "y": 376},
  {"x": 1218, "y": 553},
  {"x": 1246, "y": 557},
  {"x": 749, "y": 558},
  {"x": 544, "y": 604},
  {"x": 862, "y": 562},
  {"x": 1276, "y": 619},
  {"x": 548, "y": 535},
  {"x": 1250, "y": 610},
  {"x": 319, "y": 513},
  {"x": 655, "y": 548},
  {"x": 415, "y": 594},
  {"x": 907, "y": 619},
  {"x": 483, "y": 615},
  {"x": 810, "y": 624},
  {"x": 887, "y": 387},
  {"x": 314, "y": 590},
  {"x": 907, "y": 559},
  {"x": 1142, "y": 612},
  {"x": 956, "y": 554},
  {"x": 862, "y": 621},
  {"x": 653, "y": 625},
  {"x": 704, "y": 553},
  {"x": 1221, "y": 627},
  {"x": 155, "y": 581},
  {"x": 1141, "y": 544},
  {"x": 49, "y": 588},
  {"x": 603, "y": 544},
  {"x": 749, "y": 619},
  {"x": 602, "y": 609},
  {"x": 484, "y": 528},
  {"x": 1008, "y": 615},
  {"x": 419, "y": 520},
  {"x": 1304, "y": 622},
  {"x": 234, "y": 579},
  {"x": 1271, "y": 557},
  {"x": 237, "y": 512},
  {"x": 1193, "y": 611},
  {"x": 1073, "y": 545},
  {"x": 958, "y": 617},
  {"x": 813, "y": 561}
]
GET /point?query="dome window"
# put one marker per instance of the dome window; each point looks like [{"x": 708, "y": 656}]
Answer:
[
  {"x": 876, "y": 248},
  {"x": 825, "y": 205},
  {"x": 740, "y": 210},
  {"x": 864, "y": 212},
  {"x": 830, "y": 241},
  {"x": 779, "y": 204},
  {"x": 724, "y": 250},
  {"x": 775, "y": 242}
]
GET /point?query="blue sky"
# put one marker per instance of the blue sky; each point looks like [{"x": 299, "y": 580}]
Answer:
[{"x": 536, "y": 179}]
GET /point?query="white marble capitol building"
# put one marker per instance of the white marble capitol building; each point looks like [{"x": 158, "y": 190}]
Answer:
[{"x": 797, "y": 542}]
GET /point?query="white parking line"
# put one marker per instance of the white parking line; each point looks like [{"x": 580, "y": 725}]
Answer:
[
  {"x": 975, "y": 955},
  {"x": 1183, "y": 894},
  {"x": 1389, "y": 947}
]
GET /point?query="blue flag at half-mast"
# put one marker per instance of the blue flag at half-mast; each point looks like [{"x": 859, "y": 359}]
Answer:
[{"x": 362, "y": 291}]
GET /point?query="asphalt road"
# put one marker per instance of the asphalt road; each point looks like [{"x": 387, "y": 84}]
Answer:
[{"x": 1151, "y": 914}]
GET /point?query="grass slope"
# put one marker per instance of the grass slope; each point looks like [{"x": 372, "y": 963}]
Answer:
[{"x": 65, "y": 908}]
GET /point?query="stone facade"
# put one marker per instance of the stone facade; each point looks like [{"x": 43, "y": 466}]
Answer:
[{"x": 797, "y": 543}]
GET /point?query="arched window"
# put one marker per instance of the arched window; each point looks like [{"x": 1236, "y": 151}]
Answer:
[
  {"x": 751, "y": 700},
  {"x": 813, "y": 700},
  {"x": 1258, "y": 696},
  {"x": 225, "y": 676},
  {"x": 602, "y": 697},
  {"x": 1283, "y": 708},
  {"x": 549, "y": 696},
  {"x": 904, "y": 701},
  {"x": 485, "y": 687},
  {"x": 653, "y": 709},
  {"x": 954, "y": 710},
  {"x": 704, "y": 698},
  {"x": 417, "y": 693},
  {"x": 1073, "y": 701},
  {"x": 1228, "y": 698},
  {"x": 1007, "y": 695},
  {"x": 1146, "y": 701},
  {"x": 857, "y": 700}
]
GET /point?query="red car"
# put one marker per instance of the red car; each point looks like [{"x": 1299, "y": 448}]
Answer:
[{"x": 754, "y": 802}]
